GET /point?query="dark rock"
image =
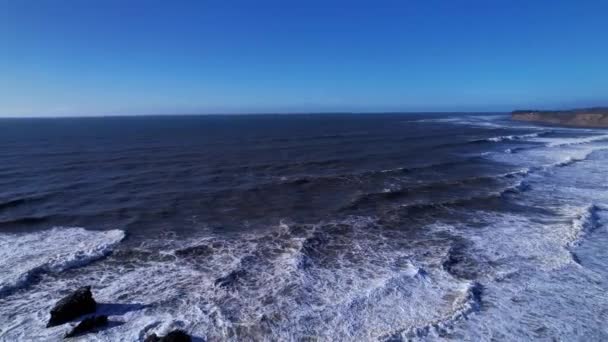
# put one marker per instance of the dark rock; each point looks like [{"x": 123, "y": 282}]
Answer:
[
  {"x": 87, "y": 325},
  {"x": 79, "y": 303},
  {"x": 174, "y": 336}
]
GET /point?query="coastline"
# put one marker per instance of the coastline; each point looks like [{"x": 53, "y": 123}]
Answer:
[{"x": 585, "y": 118}]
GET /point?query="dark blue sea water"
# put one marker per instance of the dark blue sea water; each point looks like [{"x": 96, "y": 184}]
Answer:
[{"x": 306, "y": 227}]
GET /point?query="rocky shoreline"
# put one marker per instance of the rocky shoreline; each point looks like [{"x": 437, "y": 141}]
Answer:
[
  {"x": 80, "y": 304},
  {"x": 587, "y": 117}
]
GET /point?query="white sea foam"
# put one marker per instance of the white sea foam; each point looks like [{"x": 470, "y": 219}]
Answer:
[
  {"x": 528, "y": 275},
  {"x": 582, "y": 223},
  {"x": 535, "y": 285},
  {"x": 487, "y": 121},
  {"x": 515, "y": 137},
  {"x": 340, "y": 280},
  {"x": 558, "y": 142},
  {"x": 466, "y": 302},
  {"x": 473, "y": 120},
  {"x": 335, "y": 280},
  {"x": 351, "y": 279},
  {"x": 573, "y": 155},
  {"x": 547, "y": 158},
  {"x": 23, "y": 256},
  {"x": 535, "y": 254}
]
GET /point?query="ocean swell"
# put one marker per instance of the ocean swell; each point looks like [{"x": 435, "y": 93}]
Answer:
[{"x": 443, "y": 186}]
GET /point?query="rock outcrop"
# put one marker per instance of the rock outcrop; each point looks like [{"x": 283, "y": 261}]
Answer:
[
  {"x": 87, "y": 325},
  {"x": 78, "y": 303},
  {"x": 174, "y": 336},
  {"x": 81, "y": 302},
  {"x": 591, "y": 117}
]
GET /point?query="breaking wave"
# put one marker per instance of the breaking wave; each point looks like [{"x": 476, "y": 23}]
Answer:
[
  {"x": 576, "y": 141},
  {"x": 585, "y": 221},
  {"x": 492, "y": 243},
  {"x": 27, "y": 256},
  {"x": 467, "y": 302},
  {"x": 581, "y": 155},
  {"x": 513, "y": 137}
]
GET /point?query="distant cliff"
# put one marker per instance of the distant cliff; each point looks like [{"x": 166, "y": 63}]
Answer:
[{"x": 589, "y": 117}]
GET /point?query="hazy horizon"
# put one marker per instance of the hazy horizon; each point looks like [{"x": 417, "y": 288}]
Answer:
[
  {"x": 430, "y": 112},
  {"x": 253, "y": 114}
]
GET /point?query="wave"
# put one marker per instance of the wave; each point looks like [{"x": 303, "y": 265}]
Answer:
[
  {"x": 13, "y": 203},
  {"x": 584, "y": 223},
  {"x": 275, "y": 166},
  {"x": 515, "y": 149},
  {"x": 425, "y": 188},
  {"x": 478, "y": 121},
  {"x": 24, "y": 199},
  {"x": 422, "y": 207},
  {"x": 583, "y": 154},
  {"x": 354, "y": 277},
  {"x": 357, "y": 177},
  {"x": 356, "y": 286},
  {"x": 501, "y": 138},
  {"x": 569, "y": 160},
  {"x": 518, "y": 187},
  {"x": 463, "y": 201},
  {"x": 468, "y": 302},
  {"x": 433, "y": 165},
  {"x": 512, "y": 137},
  {"x": 370, "y": 173},
  {"x": 27, "y": 220},
  {"x": 577, "y": 141},
  {"x": 557, "y": 142},
  {"x": 515, "y": 137},
  {"x": 27, "y": 256}
]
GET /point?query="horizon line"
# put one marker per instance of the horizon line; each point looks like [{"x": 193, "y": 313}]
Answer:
[{"x": 244, "y": 114}]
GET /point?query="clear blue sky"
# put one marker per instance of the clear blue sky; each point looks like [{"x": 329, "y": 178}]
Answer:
[{"x": 90, "y": 57}]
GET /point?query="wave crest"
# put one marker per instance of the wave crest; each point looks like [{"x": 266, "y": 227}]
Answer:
[
  {"x": 27, "y": 256},
  {"x": 577, "y": 141},
  {"x": 513, "y": 137}
]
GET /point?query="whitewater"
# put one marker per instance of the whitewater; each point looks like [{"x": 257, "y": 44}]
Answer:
[{"x": 371, "y": 228}]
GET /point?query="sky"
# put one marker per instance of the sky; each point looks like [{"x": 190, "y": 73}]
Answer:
[{"x": 123, "y": 57}]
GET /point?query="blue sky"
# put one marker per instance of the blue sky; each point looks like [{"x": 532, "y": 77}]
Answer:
[{"x": 60, "y": 57}]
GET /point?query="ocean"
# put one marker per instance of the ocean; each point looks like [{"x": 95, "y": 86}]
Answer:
[{"x": 321, "y": 227}]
